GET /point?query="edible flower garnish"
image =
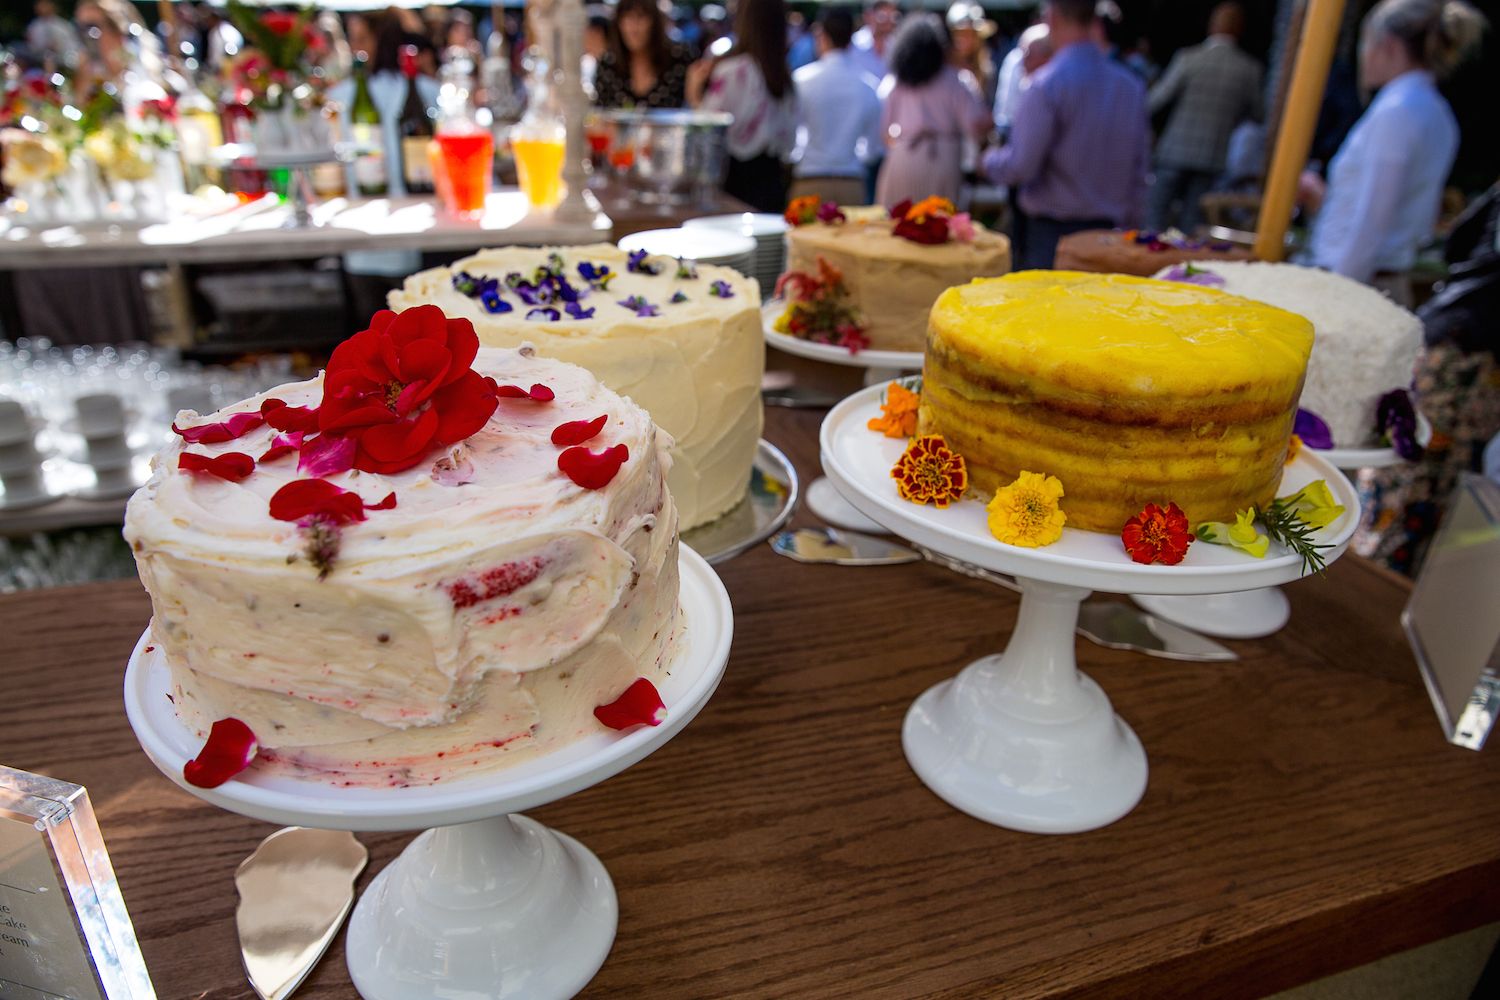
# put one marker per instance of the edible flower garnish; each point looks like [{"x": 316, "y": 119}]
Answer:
[
  {"x": 597, "y": 275},
  {"x": 638, "y": 305},
  {"x": 1396, "y": 420},
  {"x": 538, "y": 393},
  {"x": 577, "y": 311},
  {"x": 318, "y": 498},
  {"x": 326, "y": 455},
  {"x": 961, "y": 227},
  {"x": 639, "y": 705},
  {"x": 678, "y": 296},
  {"x": 578, "y": 431},
  {"x": 230, "y": 748},
  {"x": 930, "y": 472},
  {"x": 802, "y": 211},
  {"x": 493, "y": 303},
  {"x": 224, "y": 430},
  {"x": 592, "y": 470},
  {"x": 1313, "y": 430},
  {"x": 1157, "y": 534},
  {"x": 1314, "y": 504},
  {"x": 1026, "y": 512},
  {"x": 927, "y": 221},
  {"x": 544, "y": 313},
  {"x": 721, "y": 290},
  {"x": 282, "y": 444},
  {"x": 636, "y": 263},
  {"x": 898, "y": 412},
  {"x": 474, "y": 286},
  {"x": 282, "y": 417},
  {"x": 1193, "y": 275},
  {"x": 829, "y": 213},
  {"x": 1293, "y": 446},
  {"x": 818, "y": 308},
  {"x": 232, "y": 466},
  {"x": 1240, "y": 535},
  {"x": 686, "y": 270}
]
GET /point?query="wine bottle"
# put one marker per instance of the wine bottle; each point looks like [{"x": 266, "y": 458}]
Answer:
[
  {"x": 415, "y": 127},
  {"x": 369, "y": 144}
]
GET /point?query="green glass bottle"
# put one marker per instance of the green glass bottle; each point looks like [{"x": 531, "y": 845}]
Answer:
[{"x": 369, "y": 143}]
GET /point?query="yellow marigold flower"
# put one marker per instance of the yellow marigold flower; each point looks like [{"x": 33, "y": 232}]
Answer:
[
  {"x": 1026, "y": 512},
  {"x": 898, "y": 414},
  {"x": 930, "y": 472}
]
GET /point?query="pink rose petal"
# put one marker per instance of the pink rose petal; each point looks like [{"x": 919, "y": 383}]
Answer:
[
  {"x": 230, "y": 748},
  {"x": 326, "y": 455}
]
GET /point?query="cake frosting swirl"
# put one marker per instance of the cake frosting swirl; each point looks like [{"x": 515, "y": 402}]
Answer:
[
  {"x": 476, "y": 618},
  {"x": 687, "y": 348}
]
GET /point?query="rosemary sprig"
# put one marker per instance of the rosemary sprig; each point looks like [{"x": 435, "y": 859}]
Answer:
[{"x": 1283, "y": 525}]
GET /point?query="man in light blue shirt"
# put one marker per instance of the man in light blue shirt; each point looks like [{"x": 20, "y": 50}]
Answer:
[{"x": 838, "y": 130}]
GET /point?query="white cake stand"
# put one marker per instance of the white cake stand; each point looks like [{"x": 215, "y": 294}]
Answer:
[
  {"x": 1022, "y": 739},
  {"x": 488, "y": 904},
  {"x": 880, "y": 367},
  {"x": 1258, "y": 613}
]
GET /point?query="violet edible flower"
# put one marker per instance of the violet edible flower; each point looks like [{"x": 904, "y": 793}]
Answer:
[
  {"x": 638, "y": 305},
  {"x": 721, "y": 290},
  {"x": 1313, "y": 430},
  {"x": 548, "y": 314}
]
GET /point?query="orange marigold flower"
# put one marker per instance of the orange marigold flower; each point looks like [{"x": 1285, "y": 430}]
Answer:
[
  {"x": 1157, "y": 534},
  {"x": 928, "y": 207},
  {"x": 898, "y": 414},
  {"x": 803, "y": 211},
  {"x": 930, "y": 472}
]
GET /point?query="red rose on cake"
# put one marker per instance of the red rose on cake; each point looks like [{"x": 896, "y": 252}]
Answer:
[{"x": 404, "y": 387}]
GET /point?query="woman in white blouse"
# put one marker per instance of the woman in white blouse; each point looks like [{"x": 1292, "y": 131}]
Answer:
[
  {"x": 752, "y": 82},
  {"x": 1385, "y": 184}
]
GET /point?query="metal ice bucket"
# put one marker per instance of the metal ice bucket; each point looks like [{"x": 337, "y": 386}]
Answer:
[{"x": 678, "y": 156}]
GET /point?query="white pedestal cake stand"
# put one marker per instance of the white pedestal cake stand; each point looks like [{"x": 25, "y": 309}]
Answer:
[
  {"x": 1255, "y": 614},
  {"x": 1022, "y": 739},
  {"x": 880, "y": 367},
  {"x": 487, "y": 904}
]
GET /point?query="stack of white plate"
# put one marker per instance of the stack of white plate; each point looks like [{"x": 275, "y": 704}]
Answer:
[
  {"x": 704, "y": 246},
  {"x": 769, "y": 233}
]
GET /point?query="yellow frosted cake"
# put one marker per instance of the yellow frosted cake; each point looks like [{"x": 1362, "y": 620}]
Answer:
[
  {"x": 1129, "y": 390},
  {"x": 891, "y": 281}
]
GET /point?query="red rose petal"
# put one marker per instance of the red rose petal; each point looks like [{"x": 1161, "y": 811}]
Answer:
[
  {"x": 223, "y": 430},
  {"x": 640, "y": 705},
  {"x": 282, "y": 444},
  {"x": 464, "y": 407},
  {"x": 578, "y": 431},
  {"x": 233, "y": 466},
  {"x": 326, "y": 455},
  {"x": 394, "y": 447},
  {"x": 316, "y": 498},
  {"x": 592, "y": 470},
  {"x": 230, "y": 748},
  {"x": 538, "y": 392},
  {"x": 387, "y": 504},
  {"x": 285, "y": 417}
]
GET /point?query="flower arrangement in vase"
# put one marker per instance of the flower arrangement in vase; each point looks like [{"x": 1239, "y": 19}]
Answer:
[{"x": 279, "y": 76}]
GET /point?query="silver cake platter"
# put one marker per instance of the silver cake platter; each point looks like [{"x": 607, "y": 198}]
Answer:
[{"x": 767, "y": 506}]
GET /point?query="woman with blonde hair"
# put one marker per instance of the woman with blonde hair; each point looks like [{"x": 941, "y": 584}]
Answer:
[{"x": 1385, "y": 183}]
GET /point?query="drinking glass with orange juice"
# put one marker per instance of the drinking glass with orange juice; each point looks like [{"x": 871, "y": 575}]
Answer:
[{"x": 537, "y": 144}]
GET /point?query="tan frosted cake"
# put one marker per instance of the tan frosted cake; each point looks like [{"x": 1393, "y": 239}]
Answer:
[
  {"x": 692, "y": 358},
  {"x": 1134, "y": 251},
  {"x": 1130, "y": 391},
  {"x": 892, "y": 281},
  {"x": 466, "y": 612}
]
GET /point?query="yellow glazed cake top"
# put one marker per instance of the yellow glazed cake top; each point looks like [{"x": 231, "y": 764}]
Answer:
[{"x": 1122, "y": 332}]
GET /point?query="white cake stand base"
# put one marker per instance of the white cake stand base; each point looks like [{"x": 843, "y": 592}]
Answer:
[
  {"x": 1251, "y": 614},
  {"x": 506, "y": 907},
  {"x": 824, "y": 500},
  {"x": 485, "y": 903},
  {"x": 1023, "y": 739}
]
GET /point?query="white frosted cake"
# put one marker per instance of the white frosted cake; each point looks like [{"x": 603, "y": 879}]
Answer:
[
  {"x": 1364, "y": 344},
  {"x": 465, "y": 612},
  {"x": 693, "y": 358}
]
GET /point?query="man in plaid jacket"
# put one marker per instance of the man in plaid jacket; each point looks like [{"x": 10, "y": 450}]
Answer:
[{"x": 1209, "y": 88}]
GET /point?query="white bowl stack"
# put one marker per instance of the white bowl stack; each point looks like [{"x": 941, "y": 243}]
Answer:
[
  {"x": 769, "y": 233},
  {"x": 702, "y": 246}
]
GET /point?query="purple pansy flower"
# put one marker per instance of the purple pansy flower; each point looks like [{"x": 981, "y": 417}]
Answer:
[
  {"x": 1194, "y": 276},
  {"x": 1397, "y": 420},
  {"x": 1313, "y": 430},
  {"x": 597, "y": 275},
  {"x": 679, "y": 296},
  {"x": 548, "y": 314},
  {"x": 721, "y": 290},
  {"x": 493, "y": 303},
  {"x": 638, "y": 305},
  {"x": 578, "y": 312},
  {"x": 635, "y": 263}
]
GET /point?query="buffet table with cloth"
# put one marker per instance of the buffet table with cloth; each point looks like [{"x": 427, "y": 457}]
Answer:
[{"x": 1303, "y": 815}]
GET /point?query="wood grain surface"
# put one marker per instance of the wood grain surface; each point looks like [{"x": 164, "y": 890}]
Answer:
[{"x": 1304, "y": 813}]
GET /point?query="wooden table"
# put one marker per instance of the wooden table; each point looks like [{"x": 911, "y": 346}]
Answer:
[{"x": 1304, "y": 814}]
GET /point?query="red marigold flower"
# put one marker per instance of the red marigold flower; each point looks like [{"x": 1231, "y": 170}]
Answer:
[
  {"x": 233, "y": 466},
  {"x": 639, "y": 705},
  {"x": 220, "y": 431},
  {"x": 928, "y": 471},
  {"x": 578, "y": 431},
  {"x": 284, "y": 417},
  {"x": 305, "y": 498},
  {"x": 405, "y": 387},
  {"x": 592, "y": 470},
  {"x": 230, "y": 748},
  {"x": 1157, "y": 534}
]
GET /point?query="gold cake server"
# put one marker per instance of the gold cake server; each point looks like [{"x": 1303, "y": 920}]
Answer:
[{"x": 295, "y": 891}]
